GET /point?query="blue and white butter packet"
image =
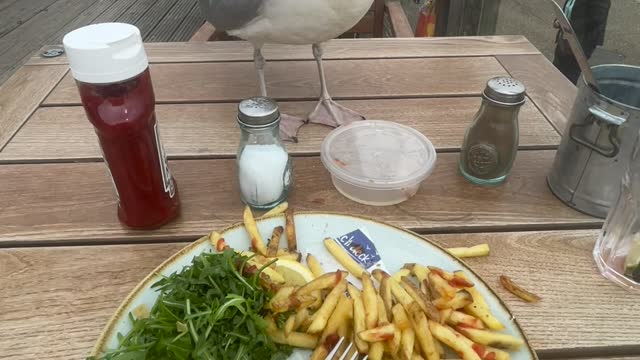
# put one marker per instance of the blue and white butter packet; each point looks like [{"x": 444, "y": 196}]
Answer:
[{"x": 360, "y": 247}]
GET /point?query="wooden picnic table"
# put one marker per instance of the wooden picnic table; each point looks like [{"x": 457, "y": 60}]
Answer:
[{"x": 66, "y": 262}]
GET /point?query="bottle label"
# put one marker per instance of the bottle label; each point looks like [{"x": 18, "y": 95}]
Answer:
[
  {"x": 169, "y": 186},
  {"x": 360, "y": 247},
  {"x": 482, "y": 159}
]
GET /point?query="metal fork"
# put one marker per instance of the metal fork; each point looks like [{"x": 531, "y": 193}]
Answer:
[{"x": 345, "y": 351}]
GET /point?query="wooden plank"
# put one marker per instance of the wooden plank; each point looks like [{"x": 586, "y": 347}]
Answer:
[
  {"x": 120, "y": 7},
  {"x": 18, "y": 45},
  {"x": 152, "y": 18},
  {"x": 56, "y": 300},
  {"x": 189, "y": 25},
  {"x": 19, "y": 12},
  {"x": 21, "y": 95},
  {"x": 135, "y": 11},
  {"x": 57, "y": 133},
  {"x": 335, "y": 49},
  {"x": 63, "y": 202},
  {"x": 170, "y": 21},
  {"x": 546, "y": 86},
  {"x": 88, "y": 16},
  {"x": 223, "y": 82}
]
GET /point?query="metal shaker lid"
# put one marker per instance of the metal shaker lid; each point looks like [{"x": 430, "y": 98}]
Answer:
[
  {"x": 258, "y": 111},
  {"x": 505, "y": 91}
]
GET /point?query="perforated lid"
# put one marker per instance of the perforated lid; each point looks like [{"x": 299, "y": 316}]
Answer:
[{"x": 378, "y": 154}]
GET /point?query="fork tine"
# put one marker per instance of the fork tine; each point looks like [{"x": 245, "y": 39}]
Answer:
[
  {"x": 346, "y": 351},
  {"x": 355, "y": 356},
  {"x": 366, "y": 357},
  {"x": 335, "y": 349}
]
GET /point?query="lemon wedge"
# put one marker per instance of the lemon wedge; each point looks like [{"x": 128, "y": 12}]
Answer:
[{"x": 294, "y": 273}]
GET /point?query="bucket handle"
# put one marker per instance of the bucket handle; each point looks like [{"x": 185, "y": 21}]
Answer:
[{"x": 611, "y": 121}]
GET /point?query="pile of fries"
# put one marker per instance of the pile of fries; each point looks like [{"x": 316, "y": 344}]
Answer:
[{"x": 412, "y": 314}]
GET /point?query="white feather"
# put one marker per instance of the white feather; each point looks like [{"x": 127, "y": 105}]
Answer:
[{"x": 302, "y": 21}]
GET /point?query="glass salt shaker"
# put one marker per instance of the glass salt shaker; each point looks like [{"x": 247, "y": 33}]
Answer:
[
  {"x": 617, "y": 251},
  {"x": 264, "y": 166},
  {"x": 491, "y": 142}
]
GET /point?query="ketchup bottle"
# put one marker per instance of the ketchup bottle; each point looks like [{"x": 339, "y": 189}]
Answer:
[{"x": 111, "y": 70}]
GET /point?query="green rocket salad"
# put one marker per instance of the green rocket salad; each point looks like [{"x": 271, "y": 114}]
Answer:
[{"x": 209, "y": 310}]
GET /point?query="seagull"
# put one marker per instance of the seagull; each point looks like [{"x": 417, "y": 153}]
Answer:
[{"x": 294, "y": 22}]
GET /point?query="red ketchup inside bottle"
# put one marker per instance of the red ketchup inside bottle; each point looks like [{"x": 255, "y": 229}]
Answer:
[{"x": 124, "y": 119}]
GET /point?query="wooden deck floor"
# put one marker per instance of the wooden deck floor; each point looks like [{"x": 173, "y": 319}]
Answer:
[{"x": 27, "y": 25}]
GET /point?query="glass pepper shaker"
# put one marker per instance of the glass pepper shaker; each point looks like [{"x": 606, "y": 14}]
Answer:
[
  {"x": 491, "y": 142},
  {"x": 264, "y": 166},
  {"x": 617, "y": 251}
]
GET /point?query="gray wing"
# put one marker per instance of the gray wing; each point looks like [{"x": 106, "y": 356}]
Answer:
[{"x": 230, "y": 14}]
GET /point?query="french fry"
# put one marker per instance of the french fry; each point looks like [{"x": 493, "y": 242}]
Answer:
[
  {"x": 290, "y": 303},
  {"x": 274, "y": 242},
  {"x": 341, "y": 314},
  {"x": 370, "y": 301},
  {"x": 290, "y": 226},
  {"x": 499, "y": 354},
  {"x": 359, "y": 323},
  {"x": 454, "y": 340},
  {"x": 380, "y": 333},
  {"x": 419, "y": 271},
  {"x": 459, "y": 318},
  {"x": 252, "y": 230},
  {"x": 455, "y": 280},
  {"x": 385, "y": 293},
  {"x": 376, "y": 350},
  {"x": 441, "y": 285},
  {"x": 283, "y": 293},
  {"x": 473, "y": 251},
  {"x": 439, "y": 347},
  {"x": 300, "y": 318},
  {"x": 480, "y": 309},
  {"x": 518, "y": 291},
  {"x": 277, "y": 210},
  {"x": 401, "y": 295},
  {"x": 444, "y": 315},
  {"x": 285, "y": 254},
  {"x": 395, "y": 343},
  {"x": 289, "y": 324},
  {"x": 343, "y": 258},
  {"x": 217, "y": 241},
  {"x": 383, "y": 318},
  {"x": 319, "y": 353},
  {"x": 326, "y": 281},
  {"x": 460, "y": 300},
  {"x": 295, "y": 339},
  {"x": 419, "y": 297},
  {"x": 400, "y": 318},
  {"x": 416, "y": 357},
  {"x": 314, "y": 266},
  {"x": 400, "y": 274},
  {"x": 321, "y": 316},
  {"x": 423, "y": 335},
  {"x": 407, "y": 342},
  {"x": 490, "y": 338},
  {"x": 379, "y": 275}
]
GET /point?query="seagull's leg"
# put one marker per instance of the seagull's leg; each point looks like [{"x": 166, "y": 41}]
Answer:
[
  {"x": 289, "y": 125},
  {"x": 329, "y": 112},
  {"x": 259, "y": 61}
]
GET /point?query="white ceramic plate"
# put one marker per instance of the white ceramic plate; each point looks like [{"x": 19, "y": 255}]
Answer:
[{"x": 396, "y": 246}]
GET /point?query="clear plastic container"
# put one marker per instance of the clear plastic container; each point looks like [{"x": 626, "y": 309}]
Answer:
[{"x": 377, "y": 162}]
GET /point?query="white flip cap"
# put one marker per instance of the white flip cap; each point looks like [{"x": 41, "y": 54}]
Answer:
[{"x": 105, "y": 53}]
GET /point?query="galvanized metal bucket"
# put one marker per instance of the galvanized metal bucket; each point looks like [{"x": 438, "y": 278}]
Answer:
[{"x": 597, "y": 143}]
